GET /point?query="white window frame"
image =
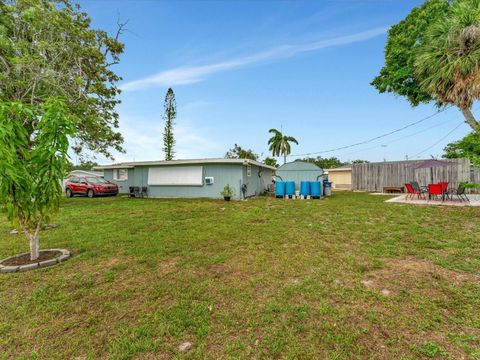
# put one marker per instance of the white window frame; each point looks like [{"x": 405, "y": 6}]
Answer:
[
  {"x": 249, "y": 170},
  {"x": 118, "y": 177}
]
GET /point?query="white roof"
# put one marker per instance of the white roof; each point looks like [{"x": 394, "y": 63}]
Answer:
[
  {"x": 79, "y": 172},
  {"x": 341, "y": 169},
  {"x": 129, "y": 165}
]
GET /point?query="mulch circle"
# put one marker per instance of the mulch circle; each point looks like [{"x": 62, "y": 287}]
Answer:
[
  {"x": 22, "y": 262},
  {"x": 25, "y": 258}
]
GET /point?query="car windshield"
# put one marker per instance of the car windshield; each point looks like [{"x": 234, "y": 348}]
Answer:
[{"x": 96, "y": 180}]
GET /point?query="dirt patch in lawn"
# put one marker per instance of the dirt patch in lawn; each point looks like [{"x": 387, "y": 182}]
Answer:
[
  {"x": 405, "y": 273},
  {"x": 25, "y": 259},
  {"x": 258, "y": 221}
]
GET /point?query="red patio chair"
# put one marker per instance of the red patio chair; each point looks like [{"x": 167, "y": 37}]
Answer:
[
  {"x": 434, "y": 190},
  {"x": 410, "y": 191}
]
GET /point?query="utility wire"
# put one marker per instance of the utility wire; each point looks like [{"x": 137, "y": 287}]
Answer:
[
  {"x": 394, "y": 140},
  {"x": 443, "y": 138},
  {"x": 376, "y": 137}
]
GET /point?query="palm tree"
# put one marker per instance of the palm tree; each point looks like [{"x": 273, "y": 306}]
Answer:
[
  {"x": 280, "y": 144},
  {"x": 448, "y": 59}
]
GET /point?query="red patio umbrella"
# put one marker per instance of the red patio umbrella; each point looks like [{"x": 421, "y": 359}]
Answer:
[{"x": 431, "y": 163}]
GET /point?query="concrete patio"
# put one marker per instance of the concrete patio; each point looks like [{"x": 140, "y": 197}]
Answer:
[{"x": 474, "y": 201}]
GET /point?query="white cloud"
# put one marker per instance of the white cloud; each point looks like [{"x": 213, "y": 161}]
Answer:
[
  {"x": 191, "y": 74},
  {"x": 144, "y": 142},
  {"x": 192, "y": 144}
]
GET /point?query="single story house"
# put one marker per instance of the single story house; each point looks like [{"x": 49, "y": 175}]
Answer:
[
  {"x": 341, "y": 177},
  {"x": 195, "y": 178},
  {"x": 299, "y": 171}
]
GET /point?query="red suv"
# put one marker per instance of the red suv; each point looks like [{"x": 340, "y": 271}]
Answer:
[{"x": 90, "y": 186}]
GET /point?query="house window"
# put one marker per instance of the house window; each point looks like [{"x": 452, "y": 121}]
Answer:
[
  {"x": 249, "y": 170},
  {"x": 120, "y": 174},
  {"x": 176, "y": 175}
]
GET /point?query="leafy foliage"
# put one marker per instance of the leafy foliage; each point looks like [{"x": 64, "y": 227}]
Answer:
[
  {"x": 468, "y": 147},
  {"x": 447, "y": 61},
  {"x": 48, "y": 49},
  {"x": 433, "y": 55},
  {"x": 324, "y": 163},
  {"x": 237, "y": 152},
  {"x": 469, "y": 185},
  {"x": 228, "y": 191},
  {"x": 33, "y": 166},
  {"x": 398, "y": 75},
  {"x": 169, "y": 117},
  {"x": 270, "y": 161},
  {"x": 83, "y": 165},
  {"x": 279, "y": 144}
]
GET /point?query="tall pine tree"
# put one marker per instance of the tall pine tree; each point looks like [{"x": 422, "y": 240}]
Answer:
[{"x": 169, "y": 116}]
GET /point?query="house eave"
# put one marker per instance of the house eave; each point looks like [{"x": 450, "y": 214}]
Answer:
[{"x": 131, "y": 165}]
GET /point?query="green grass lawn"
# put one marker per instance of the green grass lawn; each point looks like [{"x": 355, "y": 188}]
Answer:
[{"x": 345, "y": 277}]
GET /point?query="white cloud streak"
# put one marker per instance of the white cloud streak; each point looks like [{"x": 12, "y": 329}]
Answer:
[
  {"x": 144, "y": 142},
  {"x": 192, "y": 74}
]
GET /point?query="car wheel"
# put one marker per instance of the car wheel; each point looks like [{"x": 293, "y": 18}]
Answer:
[
  {"x": 90, "y": 193},
  {"x": 69, "y": 193}
]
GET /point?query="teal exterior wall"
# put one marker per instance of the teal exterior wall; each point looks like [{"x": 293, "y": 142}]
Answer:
[
  {"x": 299, "y": 171},
  {"x": 259, "y": 180},
  {"x": 123, "y": 185},
  {"x": 233, "y": 174}
]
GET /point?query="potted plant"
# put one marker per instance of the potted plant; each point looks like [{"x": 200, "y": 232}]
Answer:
[{"x": 227, "y": 192}]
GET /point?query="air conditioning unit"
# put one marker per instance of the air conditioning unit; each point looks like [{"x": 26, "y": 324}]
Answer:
[{"x": 209, "y": 180}]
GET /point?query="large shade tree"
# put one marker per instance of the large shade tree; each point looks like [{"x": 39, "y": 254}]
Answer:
[
  {"x": 57, "y": 89},
  {"x": 447, "y": 62},
  {"x": 48, "y": 49},
  {"x": 279, "y": 144},
  {"x": 432, "y": 55}
]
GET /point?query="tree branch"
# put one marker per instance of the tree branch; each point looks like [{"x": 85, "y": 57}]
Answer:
[{"x": 470, "y": 119}]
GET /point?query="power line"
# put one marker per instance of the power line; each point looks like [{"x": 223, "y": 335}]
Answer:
[
  {"x": 376, "y": 137},
  {"x": 395, "y": 140},
  {"x": 443, "y": 138}
]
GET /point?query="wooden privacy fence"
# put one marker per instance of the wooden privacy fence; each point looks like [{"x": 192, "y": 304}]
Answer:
[{"x": 375, "y": 176}]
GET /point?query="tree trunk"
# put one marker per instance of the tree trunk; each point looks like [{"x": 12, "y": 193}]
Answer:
[
  {"x": 470, "y": 119},
  {"x": 33, "y": 239},
  {"x": 34, "y": 246},
  {"x": 284, "y": 158}
]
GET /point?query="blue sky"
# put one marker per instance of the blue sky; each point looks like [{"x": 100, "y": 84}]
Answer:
[{"x": 239, "y": 68}]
